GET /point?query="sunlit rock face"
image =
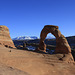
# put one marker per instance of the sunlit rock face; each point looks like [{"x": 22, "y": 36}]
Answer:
[
  {"x": 5, "y": 39},
  {"x": 62, "y": 45}
]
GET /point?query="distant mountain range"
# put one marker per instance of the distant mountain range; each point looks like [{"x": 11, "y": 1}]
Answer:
[
  {"x": 26, "y": 38},
  {"x": 48, "y": 41},
  {"x": 30, "y": 38}
]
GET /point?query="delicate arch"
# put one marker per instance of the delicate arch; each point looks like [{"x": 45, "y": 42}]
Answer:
[{"x": 62, "y": 45}]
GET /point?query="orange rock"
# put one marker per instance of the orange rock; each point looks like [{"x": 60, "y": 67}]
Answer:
[
  {"x": 5, "y": 38},
  {"x": 62, "y": 45}
]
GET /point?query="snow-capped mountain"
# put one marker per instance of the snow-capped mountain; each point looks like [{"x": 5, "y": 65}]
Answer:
[
  {"x": 50, "y": 37},
  {"x": 30, "y": 38},
  {"x": 25, "y": 38}
]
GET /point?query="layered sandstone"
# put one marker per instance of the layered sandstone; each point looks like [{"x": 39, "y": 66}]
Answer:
[{"x": 5, "y": 39}]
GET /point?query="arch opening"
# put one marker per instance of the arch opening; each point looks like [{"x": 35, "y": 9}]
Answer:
[{"x": 50, "y": 42}]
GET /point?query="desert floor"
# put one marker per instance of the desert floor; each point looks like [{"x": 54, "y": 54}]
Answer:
[{"x": 22, "y": 62}]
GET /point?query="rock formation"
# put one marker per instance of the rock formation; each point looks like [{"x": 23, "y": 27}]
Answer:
[
  {"x": 62, "y": 45},
  {"x": 5, "y": 39},
  {"x": 24, "y": 45}
]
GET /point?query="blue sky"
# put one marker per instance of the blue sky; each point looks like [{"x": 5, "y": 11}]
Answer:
[{"x": 28, "y": 17}]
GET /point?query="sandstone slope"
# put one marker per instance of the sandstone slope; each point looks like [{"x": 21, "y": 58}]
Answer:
[{"x": 35, "y": 63}]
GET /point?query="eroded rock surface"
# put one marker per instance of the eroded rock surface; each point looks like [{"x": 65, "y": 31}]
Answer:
[
  {"x": 5, "y": 39},
  {"x": 33, "y": 63},
  {"x": 6, "y": 70},
  {"x": 62, "y": 45}
]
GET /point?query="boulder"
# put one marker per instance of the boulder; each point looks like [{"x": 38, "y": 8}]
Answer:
[{"x": 5, "y": 39}]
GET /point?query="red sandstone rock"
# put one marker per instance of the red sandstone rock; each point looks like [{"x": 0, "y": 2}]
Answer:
[
  {"x": 5, "y": 38},
  {"x": 62, "y": 45}
]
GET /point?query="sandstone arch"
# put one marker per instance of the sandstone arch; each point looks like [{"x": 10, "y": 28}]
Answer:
[{"x": 62, "y": 45}]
